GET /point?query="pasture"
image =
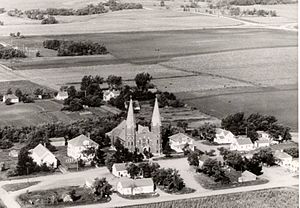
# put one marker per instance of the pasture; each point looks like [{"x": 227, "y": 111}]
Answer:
[{"x": 42, "y": 111}]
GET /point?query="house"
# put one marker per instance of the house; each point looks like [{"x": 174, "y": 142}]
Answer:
[
  {"x": 13, "y": 153},
  {"x": 262, "y": 135},
  {"x": 58, "y": 141},
  {"x": 77, "y": 145},
  {"x": 62, "y": 95},
  {"x": 119, "y": 170},
  {"x": 128, "y": 186},
  {"x": 242, "y": 143},
  {"x": 294, "y": 167},
  {"x": 202, "y": 159},
  {"x": 223, "y": 136},
  {"x": 109, "y": 94},
  {"x": 283, "y": 159},
  {"x": 262, "y": 143},
  {"x": 179, "y": 141},
  {"x": 41, "y": 155},
  {"x": 13, "y": 98},
  {"x": 247, "y": 176}
]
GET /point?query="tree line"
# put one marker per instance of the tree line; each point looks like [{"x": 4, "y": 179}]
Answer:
[{"x": 75, "y": 48}]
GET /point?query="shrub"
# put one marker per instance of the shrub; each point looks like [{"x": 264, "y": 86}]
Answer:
[
  {"x": 51, "y": 44},
  {"x": 8, "y": 53},
  {"x": 49, "y": 20}
]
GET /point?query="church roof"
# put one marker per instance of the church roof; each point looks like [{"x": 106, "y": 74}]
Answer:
[
  {"x": 118, "y": 131},
  {"x": 156, "y": 120}
]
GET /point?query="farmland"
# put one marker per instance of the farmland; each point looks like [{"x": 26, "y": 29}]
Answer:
[{"x": 275, "y": 198}]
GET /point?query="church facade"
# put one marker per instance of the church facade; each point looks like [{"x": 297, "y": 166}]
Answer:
[{"x": 139, "y": 137}]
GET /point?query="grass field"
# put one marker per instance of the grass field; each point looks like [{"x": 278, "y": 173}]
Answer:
[
  {"x": 275, "y": 198},
  {"x": 19, "y": 186},
  {"x": 24, "y": 85},
  {"x": 40, "y": 112}
]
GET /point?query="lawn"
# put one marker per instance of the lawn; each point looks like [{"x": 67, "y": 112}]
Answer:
[
  {"x": 275, "y": 198},
  {"x": 18, "y": 186}
]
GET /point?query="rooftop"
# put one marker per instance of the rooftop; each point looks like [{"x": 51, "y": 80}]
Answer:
[
  {"x": 82, "y": 140},
  {"x": 180, "y": 137},
  {"x": 41, "y": 151},
  {"x": 131, "y": 183},
  {"x": 120, "y": 166},
  {"x": 244, "y": 140}
]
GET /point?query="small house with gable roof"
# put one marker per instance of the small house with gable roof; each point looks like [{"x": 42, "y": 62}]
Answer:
[
  {"x": 77, "y": 145},
  {"x": 223, "y": 136},
  {"x": 179, "y": 141},
  {"x": 242, "y": 143},
  {"x": 41, "y": 155},
  {"x": 128, "y": 186},
  {"x": 120, "y": 170}
]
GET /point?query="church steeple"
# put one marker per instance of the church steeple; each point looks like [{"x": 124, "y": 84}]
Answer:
[
  {"x": 156, "y": 121},
  {"x": 130, "y": 121}
]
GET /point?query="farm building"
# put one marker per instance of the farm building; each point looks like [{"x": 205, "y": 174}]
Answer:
[
  {"x": 57, "y": 141},
  {"x": 127, "y": 186},
  {"x": 179, "y": 141},
  {"x": 283, "y": 159},
  {"x": 13, "y": 98},
  {"x": 223, "y": 136},
  {"x": 242, "y": 143},
  {"x": 119, "y": 170},
  {"x": 262, "y": 143},
  {"x": 109, "y": 94},
  {"x": 41, "y": 155},
  {"x": 247, "y": 176},
  {"x": 62, "y": 95},
  {"x": 77, "y": 145}
]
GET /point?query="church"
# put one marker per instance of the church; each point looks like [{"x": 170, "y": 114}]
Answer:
[{"x": 139, "y": 137}]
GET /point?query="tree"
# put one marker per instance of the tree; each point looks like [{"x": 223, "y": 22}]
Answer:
[
  {"x": 19, "y": 93},
  {"x": 142, "y": 80},
  {"x": 99, "y": 157},
  {"x": 75, "y": 105},
  {"x": 265, "y": 156},
  {"x": 8, "y": 101},
  {"x": 207, "y": 132},
  {"x": 293, "y": 151},
  {"x": 49, "y": 20},
  {"x": 114, "y": 82},
  {"x": 38, "y": 92},
  {"x": 110, "y": 160},
  {"x": 210, "y": 166},
  {"x": 235, "y": 160},
  {"x": 148, "y": 170},
  {"x": 193, "y": 159},
  {"x": 25, "y": 164},
  {"x": 253, "y": 165},
  {"x": 9, "y": 91},
  {"x": 235, "y": 123},
  {"x": 133, "y": 170},
  {"x": 102, "y": 188}
]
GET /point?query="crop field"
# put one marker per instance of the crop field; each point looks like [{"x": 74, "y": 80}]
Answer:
[
  {"x": 119, "y": 21},
  {"x": 258, "y": 67},
  {"x": 24, "y": 85},
  {"x": 275, "y": 198},
  {"x": 282, "y": 104}
]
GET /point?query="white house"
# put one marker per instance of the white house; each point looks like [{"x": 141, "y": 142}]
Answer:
[
  {"x": 62, "y": 95},
  {"x": 223, "y": 136},
  {"x": 262, "y": 143},
  {"x": 242, "y": 143},
  {"x": 283, "y": 159},
  {"x": 41, "y": 155},
  {"x": 128, "y": 186},
  {"x": 262, "y": 135},
  {"x": 57, "y": 141},
  {"x": 109, "y": 94},
  {"x": 77, "y": 145},
  {"x": 247, "y": 176},
  {"x": 119, "y": 170},
  {"x": 13, "y": 98},
  {"x": 178, "y": 142}
]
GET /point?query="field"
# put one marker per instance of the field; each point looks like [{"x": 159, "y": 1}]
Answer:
[
  {"x": 24, "y": 85},
  {"x": 275, "y": 198},
  {"x": 43, "y": 111}
]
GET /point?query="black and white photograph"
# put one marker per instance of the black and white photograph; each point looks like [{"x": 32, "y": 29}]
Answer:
[{"x": 149, "y": 104}]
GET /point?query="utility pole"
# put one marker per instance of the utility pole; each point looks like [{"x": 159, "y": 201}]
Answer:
[{"x": 158, "y": 54}]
